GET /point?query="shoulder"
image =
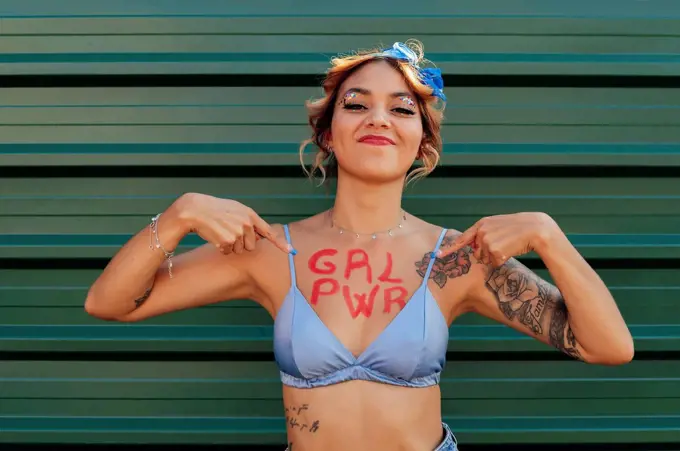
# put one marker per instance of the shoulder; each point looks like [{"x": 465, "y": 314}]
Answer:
[
  {"x": 456, "y": 263},
  {"x": 268, "y": 268},
  {"x": 449, "y": 238},
  {"x": 306, "y": 225},
  {"x": 432, "y": 234},
  {"x": 458, "y": 273}
]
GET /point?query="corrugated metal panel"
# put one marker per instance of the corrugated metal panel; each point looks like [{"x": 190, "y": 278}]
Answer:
[{"x": 84, "y": 143}]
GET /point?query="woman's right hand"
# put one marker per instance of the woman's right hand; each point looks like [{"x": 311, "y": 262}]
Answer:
[{"x": 227, "y": 224}]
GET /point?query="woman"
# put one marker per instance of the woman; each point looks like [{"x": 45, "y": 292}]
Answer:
[{"x": 363, "y": 294}]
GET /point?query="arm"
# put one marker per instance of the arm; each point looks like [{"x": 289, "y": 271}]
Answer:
[
  {"x": 136, "y": 285},
  {"x": 578, "y": 316}
]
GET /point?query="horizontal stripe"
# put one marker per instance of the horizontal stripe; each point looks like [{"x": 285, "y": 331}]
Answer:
[
  {"x": 287, "y": 148},
  {"x": 134, "y": 57}
]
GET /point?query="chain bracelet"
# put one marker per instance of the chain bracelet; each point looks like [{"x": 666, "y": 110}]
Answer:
[{"x": 153, "y": 229}]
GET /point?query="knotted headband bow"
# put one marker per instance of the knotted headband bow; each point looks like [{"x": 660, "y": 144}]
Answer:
[{"x": 432, "y": 77}]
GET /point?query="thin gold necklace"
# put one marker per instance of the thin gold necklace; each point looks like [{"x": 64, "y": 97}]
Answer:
[{"x": 373, "y": 235}]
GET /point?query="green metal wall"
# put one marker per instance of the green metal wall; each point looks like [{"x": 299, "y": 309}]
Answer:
[{"x": 110, "y": 110}]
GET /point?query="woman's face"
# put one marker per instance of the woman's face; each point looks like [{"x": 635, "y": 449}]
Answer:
[{"x": 376, "y": 129}]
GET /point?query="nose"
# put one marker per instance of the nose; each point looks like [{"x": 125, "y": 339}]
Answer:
[{"x": 378, "y": 119}]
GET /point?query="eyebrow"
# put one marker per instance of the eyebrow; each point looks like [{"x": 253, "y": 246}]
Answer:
[{"x": 368, "y": 93}]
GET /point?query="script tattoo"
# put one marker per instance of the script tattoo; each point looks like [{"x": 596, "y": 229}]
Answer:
[
  {"x": 292, "y": 417},
  {"x": 139, "y": 301},
  {"x": 564, "y": 341},
  {"x": 524, "y": 297},
  {"x": 448, "y": 267}
]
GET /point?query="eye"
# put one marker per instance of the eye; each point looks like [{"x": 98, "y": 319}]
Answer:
[
  {"x": 353, "y": 106},
  {"x": 405, "y": 111}
]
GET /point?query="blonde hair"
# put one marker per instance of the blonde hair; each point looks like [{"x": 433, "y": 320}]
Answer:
[{"x": 320, "y": 112}]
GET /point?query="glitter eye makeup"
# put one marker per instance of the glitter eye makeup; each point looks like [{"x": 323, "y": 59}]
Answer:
[
  {"x": 349, "y": 97},
  {"x": 351, "y": 101},
  {"x": 408, "y": 101}
]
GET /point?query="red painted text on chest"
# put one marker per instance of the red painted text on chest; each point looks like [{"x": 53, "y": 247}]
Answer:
[{"x": 323, "y": 262}]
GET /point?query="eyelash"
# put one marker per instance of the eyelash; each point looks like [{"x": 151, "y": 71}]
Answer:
[{"x": 400, "y": 110}]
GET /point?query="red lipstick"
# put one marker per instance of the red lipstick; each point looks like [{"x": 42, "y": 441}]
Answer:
[{"x": 376, "y": 140}]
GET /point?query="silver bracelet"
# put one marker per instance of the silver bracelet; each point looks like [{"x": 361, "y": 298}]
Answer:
[{"x": 153, "y": 229}]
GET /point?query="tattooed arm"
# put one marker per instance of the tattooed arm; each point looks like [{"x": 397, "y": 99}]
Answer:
[
  {"x": 580, "y": 318},
  {"x": 517, "y": 297}
]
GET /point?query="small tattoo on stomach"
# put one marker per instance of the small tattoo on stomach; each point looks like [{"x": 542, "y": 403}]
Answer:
[{"x": 294, "y": 421}]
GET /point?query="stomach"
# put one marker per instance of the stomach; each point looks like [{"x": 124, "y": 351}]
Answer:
[{"x": 363, "y": 416}]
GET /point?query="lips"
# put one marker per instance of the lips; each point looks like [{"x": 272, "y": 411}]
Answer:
[{"x": 376, "y": 140}]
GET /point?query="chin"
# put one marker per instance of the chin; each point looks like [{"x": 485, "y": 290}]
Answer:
[
  {"x": 380, "y": 174},
  {"x": 375, "y": 167}
]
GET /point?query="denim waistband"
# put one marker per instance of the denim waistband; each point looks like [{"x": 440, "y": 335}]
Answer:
[{"x": 449, "y": 442}]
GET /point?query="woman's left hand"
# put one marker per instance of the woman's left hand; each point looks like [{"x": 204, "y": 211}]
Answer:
[{"x": 496, "y": 239}]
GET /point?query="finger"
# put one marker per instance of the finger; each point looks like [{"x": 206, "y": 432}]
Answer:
[
  {"x": 249, "y": 238},
  {"x": 226, "y": 248},
  {"x": 498, "y": 260},
  {"x": 233, "y": 222},
  {"x": 215, "y": 234},
  {"x": 463, "y": 239},
  {"x": 238, "y": 245},
  {"x": 484, "y": 256},
  {"x": 454, "y": 246},
  {"x": 496, "y": 256},
  {"x": 225, "y": 238},
  {"x": 477, "y": 247},
  {"x": 237, "y": 225},
  {"x": 467, "y": 237},
  {"x": 265, "y": 230},
  {"x": 503, "y": 249}
]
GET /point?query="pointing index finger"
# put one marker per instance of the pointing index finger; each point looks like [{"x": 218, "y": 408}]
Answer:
[
  {"x": 265, "y": 231},
  {"x": 463, "y": 239}
]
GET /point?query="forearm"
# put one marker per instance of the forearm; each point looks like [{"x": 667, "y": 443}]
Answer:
[
  {"x": 128, "y": 278},
  {"x": 592, "y": 313}
]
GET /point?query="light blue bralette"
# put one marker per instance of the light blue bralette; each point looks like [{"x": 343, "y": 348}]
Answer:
[{"x": 410, "y": 351}]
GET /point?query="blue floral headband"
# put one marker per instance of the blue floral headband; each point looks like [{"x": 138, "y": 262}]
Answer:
[{"x": 432, "y": 77}]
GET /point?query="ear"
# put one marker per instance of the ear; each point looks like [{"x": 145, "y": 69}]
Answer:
[{"x": 419, "y": 155}]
